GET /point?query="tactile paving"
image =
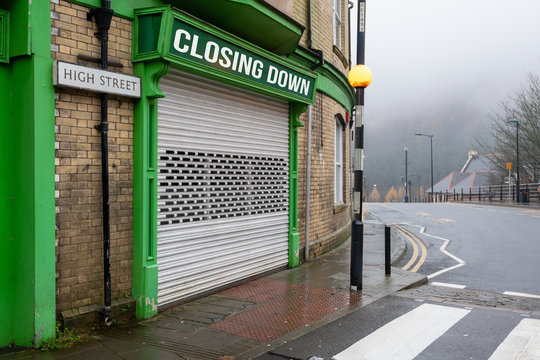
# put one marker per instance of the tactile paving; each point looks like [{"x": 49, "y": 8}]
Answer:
[{"x": 283, "y": 307}]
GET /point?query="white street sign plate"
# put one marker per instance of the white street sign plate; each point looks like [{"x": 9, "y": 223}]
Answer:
[{"x": 82, "y": 77}]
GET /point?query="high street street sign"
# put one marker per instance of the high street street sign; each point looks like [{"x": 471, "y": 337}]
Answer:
[{"x": 86, "y": 78}]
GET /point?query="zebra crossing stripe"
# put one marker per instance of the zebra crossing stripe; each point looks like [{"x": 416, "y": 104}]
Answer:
[
  {"x": 522, "y": 343},
  {"x": 455, "y": 286},
  {"x": 405, "y": 337},
  {"x": 512, "y": 293}
]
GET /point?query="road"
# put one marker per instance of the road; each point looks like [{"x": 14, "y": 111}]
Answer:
[
  {"x": 482, "y": 300},
  {"x": 499, "y": 246}
]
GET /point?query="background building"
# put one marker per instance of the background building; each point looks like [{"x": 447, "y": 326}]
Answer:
[
  {"x": 208, "y": 166},
  {"x": 477, "y": 171}
]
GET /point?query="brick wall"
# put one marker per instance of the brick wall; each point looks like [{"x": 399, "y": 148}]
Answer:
[
  {"x": 79, "y": 238},
  {"x": 328, "y": 221},
  {"x": 300, "y": 13},
  {"x": 322, "y": 29}
]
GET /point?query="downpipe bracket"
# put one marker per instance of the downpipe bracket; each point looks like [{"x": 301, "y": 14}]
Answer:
[
  {"x": 103, "y": 127},
  {"x": 103, "y": 17}
]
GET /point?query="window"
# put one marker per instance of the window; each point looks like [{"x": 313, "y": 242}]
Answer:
[
  {"x": 338, "y": 161},
  {"x": 337, "y": 23}
]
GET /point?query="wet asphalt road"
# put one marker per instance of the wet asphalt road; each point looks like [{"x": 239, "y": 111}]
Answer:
[{"x": 499, "y": 245}]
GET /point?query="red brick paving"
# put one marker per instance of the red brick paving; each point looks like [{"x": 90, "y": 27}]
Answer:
[{"x": 284, "y": 307}]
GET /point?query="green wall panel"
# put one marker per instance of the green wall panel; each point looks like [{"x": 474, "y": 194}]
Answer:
[
  {"x": 23, "y": 200},
  {"x": 27, "y": 149},
  {"x": 6, "y": 263},
  {"x": 44, "y": 201}
]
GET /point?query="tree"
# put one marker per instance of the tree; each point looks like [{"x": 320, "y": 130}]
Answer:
[
  {"x": 400, "y": 196},
  {"x": 374, "y": 196},
  {"x": 391, "y": 195},
  {"x": 524, "y": 106}
]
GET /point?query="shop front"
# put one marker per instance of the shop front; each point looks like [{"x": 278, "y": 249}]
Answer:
[
  {"x": 205, "y": 142},
  {"x": 215, "y": 159}
]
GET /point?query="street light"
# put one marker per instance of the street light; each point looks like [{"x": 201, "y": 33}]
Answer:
[
  {"x": 431, "y": 144},
  {"x": 406, "y": 177},
  {"x": 359, "y": 77},
  {"x": 516, "y": 121}
]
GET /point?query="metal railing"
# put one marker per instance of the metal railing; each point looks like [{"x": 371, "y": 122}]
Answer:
[{"x": 491, "y": 194}]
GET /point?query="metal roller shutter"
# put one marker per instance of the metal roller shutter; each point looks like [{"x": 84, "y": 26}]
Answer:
[{"x": 223, "y": 186}]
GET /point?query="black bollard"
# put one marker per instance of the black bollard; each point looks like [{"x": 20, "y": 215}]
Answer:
[
  {"x": 387, "y": 270},
  {"x": 357, "y": 254}
]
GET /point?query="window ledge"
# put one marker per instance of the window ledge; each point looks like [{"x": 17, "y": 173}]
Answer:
[{"x": 340, "y": 208}]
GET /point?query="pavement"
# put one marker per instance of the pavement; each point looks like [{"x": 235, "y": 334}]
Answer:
[
  {"x": 534, "y": 204},
  {"x": 250, "y": 319}
]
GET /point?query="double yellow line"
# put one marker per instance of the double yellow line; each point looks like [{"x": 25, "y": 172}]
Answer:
[{"x": 418, "y": 246}]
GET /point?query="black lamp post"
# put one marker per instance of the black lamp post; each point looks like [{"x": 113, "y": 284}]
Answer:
[
  {"x": 518, "y": 192},
  {"x": 406, "y": 178},
  {"x": 431, "y": 152},
  {"x": 359, "y": 77}
]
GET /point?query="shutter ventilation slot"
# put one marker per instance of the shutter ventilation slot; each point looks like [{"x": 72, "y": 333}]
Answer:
[{"x": 197, "y": 186}]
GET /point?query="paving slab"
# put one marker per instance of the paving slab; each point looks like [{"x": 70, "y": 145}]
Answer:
[{"x": 248, "y": 320}]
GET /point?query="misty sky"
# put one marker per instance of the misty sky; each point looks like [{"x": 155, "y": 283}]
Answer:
[
  {"x": 428, "y": 52},
  {"x": 440, "y": 67}
]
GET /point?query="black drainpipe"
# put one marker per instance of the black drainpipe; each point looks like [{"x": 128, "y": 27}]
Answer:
[
  {"x": 103, "y": 18},
  {"x": 350, "y": 7},
  {"x": 320, "y": 55}
]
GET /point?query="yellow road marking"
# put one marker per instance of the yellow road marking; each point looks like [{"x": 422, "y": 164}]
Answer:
[
  {"x": 446, "y": 220},
  {"x": 413, "y": 239},
  {"x": 422, "y": 258},
  {"x": 415, "y": 253}
]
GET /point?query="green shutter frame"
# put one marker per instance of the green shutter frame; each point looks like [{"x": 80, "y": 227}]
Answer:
[
  {"x": 145, "y": 275},
  {"x": 295, "y": 110}
]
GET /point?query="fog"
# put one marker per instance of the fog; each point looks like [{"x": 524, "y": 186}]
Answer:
[{"x": 440, "y": 68}]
